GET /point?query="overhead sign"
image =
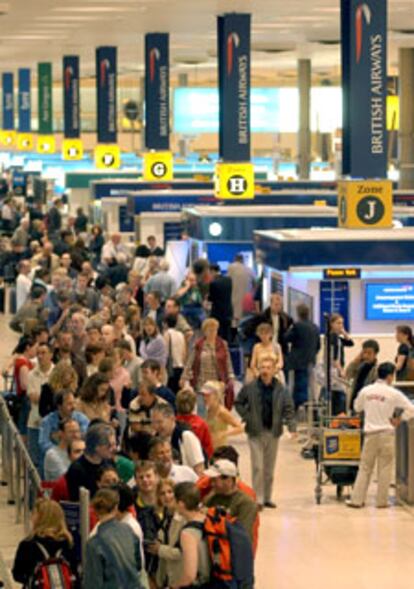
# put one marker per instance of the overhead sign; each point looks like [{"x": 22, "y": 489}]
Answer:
[
  {"x": 158, "y": 165},
  {"x": 106, "y": 88},
  {"x": 46, "y": 144},
  {"x": 336, "y": 273},
  {"x": 107, "y": 157},
  {"x": 364, "y": 81},
  {"x": 72, "y": 149},
  {"x": 25, "y": 142},
  {"x": 8, "y": 101},
  {"x": 25, "y": 108},
  {"x": 234, "y": 181},
  {"x": 71, "y": 97},
  {"x": 234, "y": 86},
  {"x": 365, "y": 204},
  {"x": 45, "y": 102},
  {"x": 157, "y": 92}
]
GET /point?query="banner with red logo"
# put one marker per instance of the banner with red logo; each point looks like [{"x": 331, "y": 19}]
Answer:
[
  {"x": 364, "y": 84},
  {"x": 233, "y": 32},
  {"x": 71, "y": 99},
  {"x": 106, "y": 88},
  {"x": 157, "y": 91}
]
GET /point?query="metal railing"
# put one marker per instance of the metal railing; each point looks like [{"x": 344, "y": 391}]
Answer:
[
  {"x": 18, "y": 471},
  {"x": 24, "y": 484}
]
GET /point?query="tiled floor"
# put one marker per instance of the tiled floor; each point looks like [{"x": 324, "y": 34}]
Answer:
[{"x": 302, "y": 545}]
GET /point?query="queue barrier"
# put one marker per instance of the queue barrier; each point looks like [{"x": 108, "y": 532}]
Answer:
[{"x": 24, "y": 484}]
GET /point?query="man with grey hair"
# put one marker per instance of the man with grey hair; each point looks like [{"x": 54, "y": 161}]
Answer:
[
  {"x": 112, "y": 248},
  {"x": 100, "y": 448},
  {"x": 162, "y": 282}
]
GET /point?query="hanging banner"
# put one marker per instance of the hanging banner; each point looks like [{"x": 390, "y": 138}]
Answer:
[
  {"x": 106, "y": 87},
  {"x": 233, "y": 50},
  {"x": 71, "y": 97},
  {"x": 157, "y": 91},
  {"x": 25, "y": 109},
  {"x": 45, "y": 108},
  {"x": 8, "y": 101},
  {"x": 364, "y": 83}
]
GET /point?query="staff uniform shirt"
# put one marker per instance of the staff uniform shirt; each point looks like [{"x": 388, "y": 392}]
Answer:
[{"x": 379, "y": 401}]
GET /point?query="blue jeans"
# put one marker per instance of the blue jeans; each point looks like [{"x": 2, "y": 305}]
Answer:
[
  {"x": 23, "y": 416},
  {"x": 300, "y": 390}
]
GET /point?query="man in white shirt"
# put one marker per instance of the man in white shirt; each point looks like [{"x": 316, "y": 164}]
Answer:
[
  {"x": 183, "y": 441},
  {"x": 112, "y": 248},
  {"x": 380, "y": 403},
  {"x": 23, "y": 283},
  {"x": 160, "y": 452},
  {"x": 36, "y": 379}
]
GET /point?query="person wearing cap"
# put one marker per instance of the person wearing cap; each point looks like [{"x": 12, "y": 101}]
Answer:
[
  {"x": 264, "y": 405},
  {"x": 223, "y": 474}
]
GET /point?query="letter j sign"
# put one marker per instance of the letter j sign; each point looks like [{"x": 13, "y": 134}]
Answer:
[{"x": 365, "y": 204}]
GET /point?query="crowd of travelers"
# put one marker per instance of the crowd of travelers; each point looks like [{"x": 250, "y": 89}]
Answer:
[{"x": 131, "y": 384}]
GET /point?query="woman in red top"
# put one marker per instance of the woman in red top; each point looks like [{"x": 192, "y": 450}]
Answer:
[
  {"x": 186, "y": 401},
  {"x": 24, "y": 352}
]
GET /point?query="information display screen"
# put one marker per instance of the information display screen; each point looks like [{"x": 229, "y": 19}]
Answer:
[
  {"x": 393, "y": 301},
  {"x": 273, "y": 110}
]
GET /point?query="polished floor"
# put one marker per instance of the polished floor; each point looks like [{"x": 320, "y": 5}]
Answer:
[{"x": 302, "y": 545}]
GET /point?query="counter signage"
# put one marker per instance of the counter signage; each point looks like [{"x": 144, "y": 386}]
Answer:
[
  {"x": 24, "y": 91},
  {"x": 334, "y": 298},
  {"x": 234, "y": 86},
  {"x": 71, "y": 98},
  {"x": 335, "y": 273},
  {"x": 45, "y": 108},
  {"x": 364, "y": 81},
  {"x": 8, "y": 101},
  {"x": 106, "y": 88},
  {"x": 157, "y": 91}
]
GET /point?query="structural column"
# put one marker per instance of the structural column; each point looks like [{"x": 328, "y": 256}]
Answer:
[
  {"x": 406, "y": 129},
  {"x": 304, "y": 136}
]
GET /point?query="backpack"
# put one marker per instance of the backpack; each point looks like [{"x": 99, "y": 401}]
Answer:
[
  {"x": 53, "y": 572},
  {"x": 230, "y": 550}
]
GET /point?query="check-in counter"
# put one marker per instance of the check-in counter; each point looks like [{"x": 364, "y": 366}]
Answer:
[{"x": 405, "y": 462}]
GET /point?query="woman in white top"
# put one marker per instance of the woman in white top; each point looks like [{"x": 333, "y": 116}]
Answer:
[{"x": 176, "y": 345}]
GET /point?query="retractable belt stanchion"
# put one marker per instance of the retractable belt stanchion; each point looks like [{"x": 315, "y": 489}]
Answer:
[{"x": 328, "y": 362}]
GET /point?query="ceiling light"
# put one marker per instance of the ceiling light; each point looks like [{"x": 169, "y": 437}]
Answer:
[
  {"x": 93, "y": 9},
  {"x": 65, "y": 18},
  {"x": 31, "y": 37}
]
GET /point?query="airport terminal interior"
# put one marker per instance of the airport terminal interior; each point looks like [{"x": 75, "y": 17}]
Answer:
[{"x": 207, "y": 294}]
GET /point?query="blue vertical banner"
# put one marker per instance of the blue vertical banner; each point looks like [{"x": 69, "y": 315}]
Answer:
[
  {"x": 25, "y": 108},
  {"x": 71, "y": 97},
  {"x": 106, "y": 88},
  {"x": 157, "y": 91},
  {"x": 364, "y": 84},
  {"x": 233, "y": 36},
  {"x": 8, "y": 101}
]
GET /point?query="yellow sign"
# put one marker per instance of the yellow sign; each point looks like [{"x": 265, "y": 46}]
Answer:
[
  {"x": 25, "y": 142},
  {"x": 335, "y": 273},
  {"x": 341, "y": 445},
  {"x": 158, "y": 165},
  {"x": 46, "y": 144},
  {"x": 107, "y": 156},
  {"x": 72, "y": 149},
  {"x": 234, "y": 181},
  {"x": 365, "y": 204},
  {"x": 8, "y": 138},
  {"x": 393, "y": 113}
]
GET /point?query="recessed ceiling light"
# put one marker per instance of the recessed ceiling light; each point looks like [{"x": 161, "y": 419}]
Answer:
[
  {"x": 92, "y": 9},
  {"x": 31, "y": 37},
  {"x": 65, "y": 18}
]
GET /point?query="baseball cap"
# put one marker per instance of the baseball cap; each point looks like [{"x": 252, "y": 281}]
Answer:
[{"x": 222, "y": 468}]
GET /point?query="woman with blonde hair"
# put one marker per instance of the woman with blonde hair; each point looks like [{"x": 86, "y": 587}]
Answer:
[
  {"x": 210, "y": 360},
  {"x": 62, "y": 378},
  {"x": 167, "y": 545},
  {"x": 221, "y": 421},
  {"x": 265, "y": 347},
  {"x": 49, "y": 537}
]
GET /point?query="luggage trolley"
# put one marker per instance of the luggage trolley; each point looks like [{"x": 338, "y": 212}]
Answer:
[{"x": 338, "y": 455}]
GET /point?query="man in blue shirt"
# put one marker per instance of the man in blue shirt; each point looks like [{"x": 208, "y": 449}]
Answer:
[{"x": 49, "y": 426}]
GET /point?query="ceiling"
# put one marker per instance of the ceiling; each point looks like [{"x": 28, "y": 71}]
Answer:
[{"x": 282, "y": 31}]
